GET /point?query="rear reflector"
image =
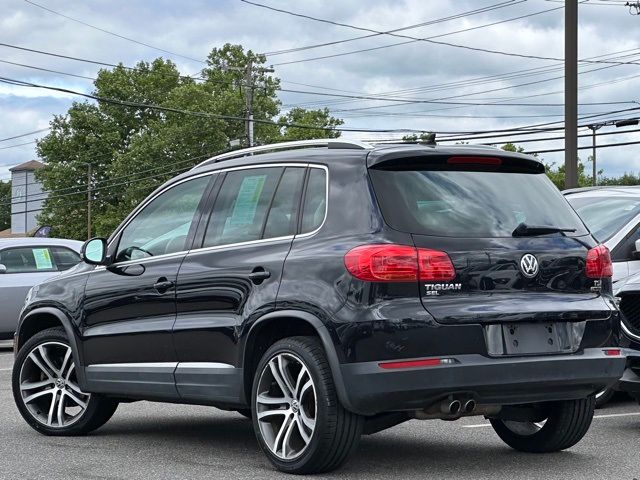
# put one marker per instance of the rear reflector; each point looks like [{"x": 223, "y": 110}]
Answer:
[
  {"x": 474, "y": 161},
  {"x": 425, "y": 362},
  {"x": 398, "y": 263},
  {"x": 598, "y": 264},
  {"x": 612, "y": 352}
]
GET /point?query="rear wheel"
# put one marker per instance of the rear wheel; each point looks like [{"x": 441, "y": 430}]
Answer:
[
  {"x": 299, "y": 422},
  {"x": 567, "y": 422},
  {"x": 46, "y": 389}
]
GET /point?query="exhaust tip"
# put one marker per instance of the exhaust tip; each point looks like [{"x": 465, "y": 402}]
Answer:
[
  {"x": 470, "y": 406},
  {"x": 454, "y": 407}
]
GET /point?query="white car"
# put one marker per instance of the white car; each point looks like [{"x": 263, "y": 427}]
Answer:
[
  {"x": 25, "y": 262},
  {"x": 612, "y": 214}
]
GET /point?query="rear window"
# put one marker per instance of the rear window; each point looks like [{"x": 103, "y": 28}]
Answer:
[
  {"x": 605, "y": 216},
  {"x": 470, "y": 204}
]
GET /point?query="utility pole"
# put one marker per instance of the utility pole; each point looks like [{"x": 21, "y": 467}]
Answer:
[
  {"x": 89, "y": 175},
  {"x": 571, "y": 93},
  {"x": 594, "y": 127},
  {"x": 248, "y": 94}
]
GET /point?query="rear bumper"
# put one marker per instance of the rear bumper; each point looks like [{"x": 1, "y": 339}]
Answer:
[
  {"x": 503, "y": 381},
  {"x": 630, "y": 381}
]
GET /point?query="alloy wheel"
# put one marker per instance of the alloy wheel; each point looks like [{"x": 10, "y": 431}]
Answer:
[
  {"x": 49, "y": 386},
  {"x": 286, "y": 406}
]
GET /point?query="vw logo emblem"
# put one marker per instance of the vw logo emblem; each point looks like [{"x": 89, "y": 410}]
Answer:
[{"x": 529, "y": 265}]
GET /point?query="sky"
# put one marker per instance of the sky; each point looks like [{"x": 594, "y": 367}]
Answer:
[{"x": 520, "y": 90}]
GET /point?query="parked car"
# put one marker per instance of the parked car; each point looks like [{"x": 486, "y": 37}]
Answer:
[
  {"x": 329, "y": 289},
  {"x": 25, "y": 262},
  {"x": 612, "y": 214},
  {"x": 629, "y": 303}
]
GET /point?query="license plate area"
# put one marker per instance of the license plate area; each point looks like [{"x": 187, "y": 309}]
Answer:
[{"x": 534, "y": 338}]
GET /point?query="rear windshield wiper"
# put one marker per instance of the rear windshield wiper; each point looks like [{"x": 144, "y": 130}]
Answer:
[{"x": 524, "y": 230}]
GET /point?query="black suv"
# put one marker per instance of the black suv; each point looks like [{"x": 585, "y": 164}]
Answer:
[{"x": 328, "y": 289}]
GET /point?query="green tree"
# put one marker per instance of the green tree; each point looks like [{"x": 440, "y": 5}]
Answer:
[
  {"x": 510, "y": 147},
  {"x": 5, "y": 205},
  {"x": 133, "y": 149}
]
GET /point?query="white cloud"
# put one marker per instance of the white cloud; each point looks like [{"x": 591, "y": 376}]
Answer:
[{"x": 193, "y": 27}]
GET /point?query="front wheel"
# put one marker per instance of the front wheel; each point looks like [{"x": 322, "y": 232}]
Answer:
[
  {"x": 297, "y": 417},
  {"x": 46, "y": 390},
  {"x": 567, "y": 422}
]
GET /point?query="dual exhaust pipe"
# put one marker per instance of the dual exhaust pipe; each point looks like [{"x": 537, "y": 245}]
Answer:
[{"x": 456, "y": 407}]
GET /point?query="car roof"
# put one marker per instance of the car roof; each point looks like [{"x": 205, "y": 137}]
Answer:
[
  {"x": 373, "y": 155},
  {"x": 604, "y": 191},
  {"x": 39, "y": 241}
]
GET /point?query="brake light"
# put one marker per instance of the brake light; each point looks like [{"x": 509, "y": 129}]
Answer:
[
  {"x": 474, "y": 161},
  {"x": 613, "y": 352},
  {"x": 398, "y": 263},
  {"x": 598, "y": 263}
]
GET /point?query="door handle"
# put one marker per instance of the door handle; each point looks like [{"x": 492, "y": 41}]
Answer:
[
  {"x": 163, "y": 284},
  {"x": 259, "y": 275}
]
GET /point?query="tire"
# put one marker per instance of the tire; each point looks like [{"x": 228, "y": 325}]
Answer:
[
  {"x": 567, "y": 423},
  {"x": 46, "y": 392},
  {"x": 310, "y": 408},
  {"x": 604, "y": 396}
]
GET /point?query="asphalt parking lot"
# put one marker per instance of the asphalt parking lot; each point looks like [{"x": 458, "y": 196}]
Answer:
[{"x": 147, "y": 440}]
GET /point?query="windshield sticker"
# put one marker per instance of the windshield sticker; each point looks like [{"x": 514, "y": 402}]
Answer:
[{"x": 42, "y": 257}]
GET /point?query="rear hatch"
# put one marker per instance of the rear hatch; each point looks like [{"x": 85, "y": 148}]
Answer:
[{"x": 486, "y": 213}]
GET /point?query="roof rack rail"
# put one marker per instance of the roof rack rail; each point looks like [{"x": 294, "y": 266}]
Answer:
[{"x": 320, "y": 142}]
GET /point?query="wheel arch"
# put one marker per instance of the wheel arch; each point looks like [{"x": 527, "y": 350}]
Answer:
[
  {"x": 43, "y": 318},
  {"x": 308, "y": 323}
]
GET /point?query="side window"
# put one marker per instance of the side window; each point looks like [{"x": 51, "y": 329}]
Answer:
[
  {"x": 163, "y": 225},
  {"x": 28, "y": 260},
  {"x": 315, "y": 201},
  {"x": 241, "y": 207},
  {"x": 65, "y": 258},
  {"x": 624, "y": 252},
  {"x": 283, "y": 213}
]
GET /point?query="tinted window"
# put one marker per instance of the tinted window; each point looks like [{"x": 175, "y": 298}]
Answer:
[
  {"x": 470, "y": 203},
  {"x": 605, "y": 216},
  {"x": 315, "y": 202},
  {"x": 163, "y": 225},
  {"x": 65, "y": 258},
  {"x": 28, "y": 260},
  {"x": 283, "y": 214},
  {"x": 241, "y": 207}
]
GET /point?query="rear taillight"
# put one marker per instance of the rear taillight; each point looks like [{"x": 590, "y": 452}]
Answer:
[
  {"x": 598, "y": 263},
  {"x": 398, "y": 263}
]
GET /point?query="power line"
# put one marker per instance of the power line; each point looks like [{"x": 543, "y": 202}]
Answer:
[
  {"x": 129, "y": 39},
  {"x": 24, "y": 134},
  {"x": 588, "y": 147},
  {"x": 395, "y": 30},
  {"x": 17, "y": 145},
  {"x": 437, "y": 42},
  {"x": 415, "y": 40}
]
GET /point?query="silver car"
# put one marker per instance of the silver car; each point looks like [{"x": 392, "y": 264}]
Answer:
[
  {"x": 613, "y": 216},
  {"x": 25, "y": 262}
]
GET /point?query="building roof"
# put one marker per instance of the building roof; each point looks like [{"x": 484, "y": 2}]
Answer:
[{"x": 30, "y": 165}]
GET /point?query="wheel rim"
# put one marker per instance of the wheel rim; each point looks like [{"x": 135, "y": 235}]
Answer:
[
  {"x": 49, "y": 386},
  {"x": 286, "y": 406},
  {"x": 524, "y": 428}
]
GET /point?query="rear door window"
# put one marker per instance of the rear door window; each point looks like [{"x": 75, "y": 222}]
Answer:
[
  {"x": 471, "y": 204},
  {"x": 28, "y": 260}
]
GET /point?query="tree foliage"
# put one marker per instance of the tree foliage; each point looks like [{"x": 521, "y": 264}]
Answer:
[
  {"x": 134, "y": 149},
  {"x": 5, "y": 205}
]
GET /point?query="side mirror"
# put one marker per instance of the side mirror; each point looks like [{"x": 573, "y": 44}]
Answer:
[
  {"x": 636, "y": 253},
  {"x": 94, "y": 251},
  {"x": 3, "y": 269}
]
